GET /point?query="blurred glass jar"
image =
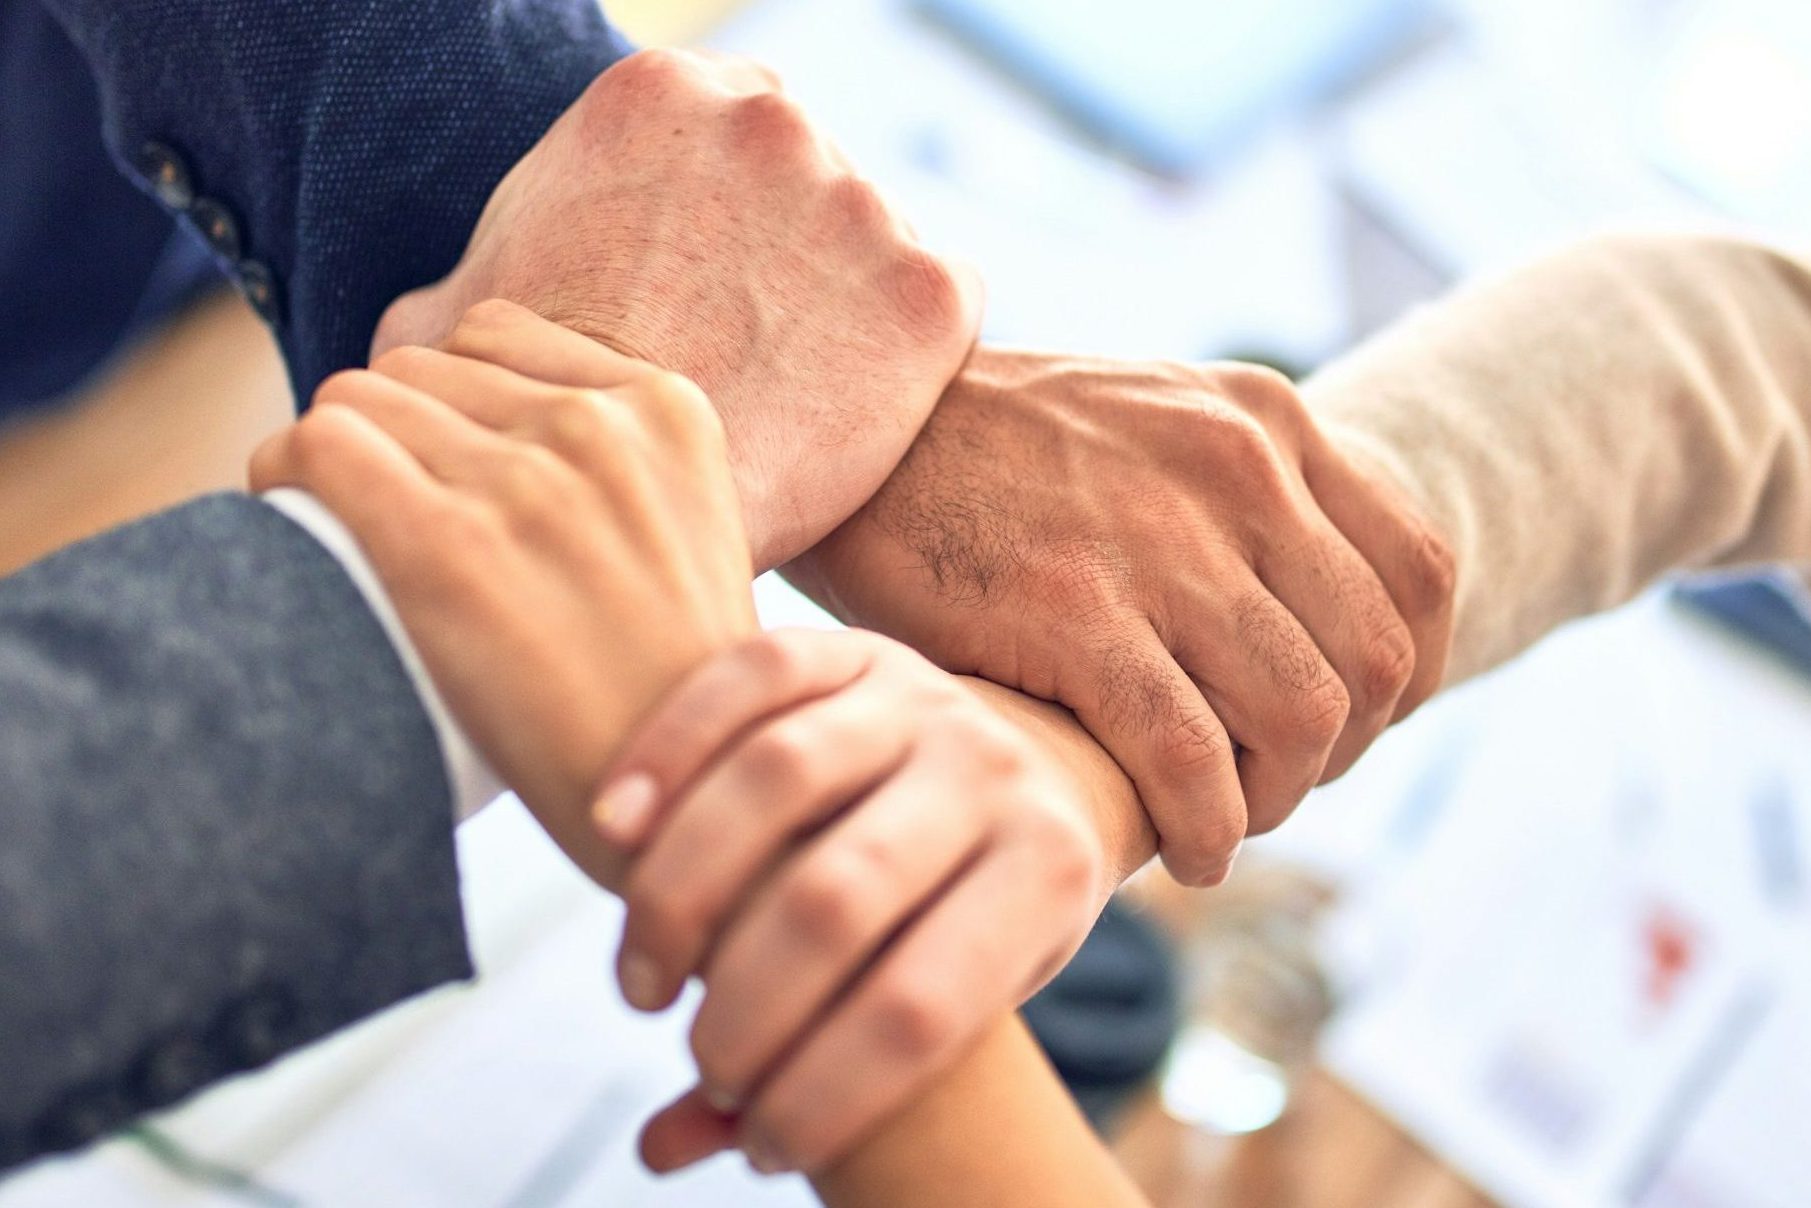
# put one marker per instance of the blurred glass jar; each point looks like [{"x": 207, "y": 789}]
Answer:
[{"x": 1256, "y": 998}]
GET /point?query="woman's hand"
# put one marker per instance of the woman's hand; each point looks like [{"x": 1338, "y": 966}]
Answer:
[
  {"x": 865, "y": 863},
  {"x": 557, "y": 527},
  {"x": 996, "y": 1129}
]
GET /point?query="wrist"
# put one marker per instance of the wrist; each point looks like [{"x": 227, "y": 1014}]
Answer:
[
  {"x": 1127, "y": 838},
  {"x": 791, "y": 504},
  {"x": 470, "y": 779}
]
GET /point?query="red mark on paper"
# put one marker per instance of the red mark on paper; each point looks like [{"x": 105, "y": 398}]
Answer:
[{"x": 1672, "y": 951}]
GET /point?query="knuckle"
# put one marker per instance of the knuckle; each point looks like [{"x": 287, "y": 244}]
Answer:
[
  {"x": 476, "y": 533},
  {"x": 1264, "y": 392},
  {"x": 1201, "y": 860},
  {"x": 798, "y": 1128},
  {"x": 771, "y": 121},
  {"x": 1133, "y": 690},
  {"x": 1001, "y": 757},
  {"x": 531, "y": 492},
  {"x": 322, "y": 435},
  {"x": 521, "y": 485},
  {"x": 1073, "y": 864},
  {"x": 925, "y": 291},
  {"x": 1433, "y": 571},
  {"x": 401, "y": 361},
  {"x": 403, "y": 319},
  {"x": 777, "y": 657},
  {"x": 343, "y": 385},
  {"x": 487, "y": 317},
  {"x": 856, "y": 202},
  {"x": 1196, "y": 744},
  {"x": 1318, "y": 714},
  {"x": 579, "y": 422},
  {"x": 997, "y": 752},
  {"x": 1388, "y": 663},
  {"x": 783, "y": 758},
  {"x": 714, "y": 1044},
  {"x": 1245, "y": 453},
  {"x": 823, "y": 905},
  {"x": 878, "y": 647},
  {"x": 714, "y": 1068},
  {"x": 1191, "y": 873},
  {"x": 662, "y": 916},
  {"x": 648, "y": 86},
  {"x": 1279, "y": 645},
  {"x": 723, "y": 1067},
  {"x": 654, "y": 68},
  {"x": 1236, "y": 431},
  {"x": 913, "y": 1022},
  {"x": 1264, "y": 816},
  {"x": 684, "y": 402}
]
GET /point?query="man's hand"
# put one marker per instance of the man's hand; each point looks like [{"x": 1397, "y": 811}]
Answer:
[
  {"x": 1176, "y": 554},
  {"x": 560, "y": 554},
  {"x": 685, "y": 212},
  {"x": 865, "y": 863}
]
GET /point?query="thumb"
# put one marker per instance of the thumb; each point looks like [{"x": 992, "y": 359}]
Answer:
[
  {"x": 685, "y": 1131},
  {"x": 271, "y": 464}
]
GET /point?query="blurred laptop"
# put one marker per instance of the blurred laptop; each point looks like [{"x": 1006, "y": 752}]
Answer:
[{"x": 1177, "y": 84}]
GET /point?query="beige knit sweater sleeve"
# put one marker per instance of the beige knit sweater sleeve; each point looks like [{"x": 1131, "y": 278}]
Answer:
[{"x": 1631, "y": 407}]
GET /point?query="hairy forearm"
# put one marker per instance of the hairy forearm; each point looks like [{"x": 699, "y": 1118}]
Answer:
[
  {"x": 1626, "y": 409},
  {"x": 1629, "y": 408},
  {"x": 1632, "y": 407},
  {"x": 1597, "y": 420},
  {"x": 997, "y": 1129}
]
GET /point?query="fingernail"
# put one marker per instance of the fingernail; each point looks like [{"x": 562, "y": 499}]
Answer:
[
  {"x": 641, "y": 981},
  {"x": 624, "y": 809},
  {"x": 764, "y": 1156},
  {"x": 722, "y": 1101}
]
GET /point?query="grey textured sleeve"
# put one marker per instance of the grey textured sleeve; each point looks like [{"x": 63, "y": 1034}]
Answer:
[{"x": 224, "y": 821}]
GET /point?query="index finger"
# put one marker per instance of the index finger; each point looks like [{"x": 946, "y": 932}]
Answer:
[
  {"x": 361, "y": 474},
  {"x": 516, "y": 338},
  {"x": 1415, "y": 565},
  {"x": 1153, "y": 719},
  {"x": 734, "y": 691}
]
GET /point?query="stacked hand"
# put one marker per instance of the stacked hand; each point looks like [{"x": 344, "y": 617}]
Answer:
[
  {"x": 1179, "y": 555},
  {"x": 686, "y": 212},
  {"x": 556, "y": 525},
  {"x": 866, "y": 865}
]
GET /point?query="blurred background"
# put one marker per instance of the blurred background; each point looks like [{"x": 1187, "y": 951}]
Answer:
[{"x": 1546, "y": 947}]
